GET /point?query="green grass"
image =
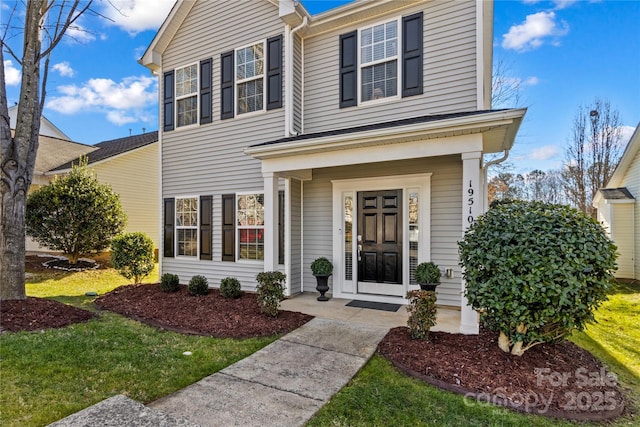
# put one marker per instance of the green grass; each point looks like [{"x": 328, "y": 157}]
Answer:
[
  {"x": 381, "y": 396},
  {"x": 48, "y": 375}
]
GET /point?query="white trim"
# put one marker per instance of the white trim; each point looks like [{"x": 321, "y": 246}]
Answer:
[
  {"x": 287, "y": 234},
  {"x": 237, "y": 82},
  {"x": 351, "y": 186}
]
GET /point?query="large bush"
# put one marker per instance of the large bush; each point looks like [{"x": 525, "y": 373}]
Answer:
[
  {"x": 132, "y": 255},
  {"x": 536, "y": 271},
  {"x": 74, "y": 214}
]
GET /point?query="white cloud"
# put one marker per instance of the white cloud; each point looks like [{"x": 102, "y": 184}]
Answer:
[
  {"x": 11, "y": 74},
  {"x": 563, "y": 4},
  {"x": 625, "y": 134},
  {"x": 135, "y": 16},
  {"x": 122, "y": 102},
  {"x": 533, "y": 32},
  {"x": 64, "y": 68},
  {"x": 531, "y": 81},
  {"x": 545, "y": 152}
]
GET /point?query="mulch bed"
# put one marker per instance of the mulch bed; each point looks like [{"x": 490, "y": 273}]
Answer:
[
  {"x": 34, "y": 314},
  {"x": 34, "y": 263},
  {"x": 562, "y": 380},
  {"x": 210, "y": 315}
]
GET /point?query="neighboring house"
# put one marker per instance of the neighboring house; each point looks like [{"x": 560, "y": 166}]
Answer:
[
  {"x": 618, "y": 206},
  {"x": 130, "y": 166},
  {"x": 358, "y": 134}
]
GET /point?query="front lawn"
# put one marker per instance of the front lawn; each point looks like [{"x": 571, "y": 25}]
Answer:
[
  {"x": 51, "y": 374},
  {"x": 380, "y": 395}
]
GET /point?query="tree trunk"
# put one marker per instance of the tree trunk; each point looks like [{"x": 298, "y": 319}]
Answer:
[{"x": 17, "y": 157}]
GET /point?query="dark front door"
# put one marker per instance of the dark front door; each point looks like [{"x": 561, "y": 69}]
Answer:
[{"x": 380, "y": 242}]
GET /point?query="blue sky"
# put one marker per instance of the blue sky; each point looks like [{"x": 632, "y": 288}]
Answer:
[{"x": 564, "y": 53}]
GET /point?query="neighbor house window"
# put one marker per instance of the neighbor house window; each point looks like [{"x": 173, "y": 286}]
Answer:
[
  {"x": 250, "y": 226},
  {"x": 250, "y": 78},
  {"x": 187, "y": 95},
  {"x": 187, "y": 226},
  {"x": 379, "y": 61}
]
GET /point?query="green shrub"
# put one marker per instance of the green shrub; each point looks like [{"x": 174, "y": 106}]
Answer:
[
  {"x": 230, "y": 287},
  {"x": 322, "y": 267},
  {"x": 428, "y": 272},
  {"x": 422, "y": 313},
  {"x": 536, "y": 271},
  {"x": 169, "y": 282},
  {"x": 270, "y": 291},
  {"x": 198, "y": 285},
  {"x": 132, "y": 255}
]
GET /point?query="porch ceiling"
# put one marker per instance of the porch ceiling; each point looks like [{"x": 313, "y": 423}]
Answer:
[{"x": 497, "y": 131}]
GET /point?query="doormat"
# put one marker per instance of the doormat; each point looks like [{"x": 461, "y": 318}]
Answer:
[{"x": 384, "y": 306}]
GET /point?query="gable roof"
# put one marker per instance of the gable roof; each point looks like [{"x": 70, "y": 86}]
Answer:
[
  {"x": 53, "y": 152},
  {"x": 616, "y": 194},
  {"x": 627, "y": 157},
  {"x": 108, "y": 149},
  {"x": 47, "y": 128}
]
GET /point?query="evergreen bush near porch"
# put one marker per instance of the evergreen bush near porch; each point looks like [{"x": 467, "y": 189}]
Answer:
[
  {"x": 270, "y": 291},
  {"x": 536, "y": 271}
]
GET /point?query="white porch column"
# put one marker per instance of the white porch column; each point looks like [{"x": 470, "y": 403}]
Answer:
[
  {"x": 472, "y": 206},
  {"x": 270, "y": 221}
]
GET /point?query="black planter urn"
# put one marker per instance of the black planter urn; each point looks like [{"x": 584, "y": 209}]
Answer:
[
  {"x": 429, "y": 286},
  {"x": 322, "y": 287}
]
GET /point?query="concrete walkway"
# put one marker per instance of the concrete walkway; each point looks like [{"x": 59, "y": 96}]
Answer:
[{"x": 284, "y": 384}]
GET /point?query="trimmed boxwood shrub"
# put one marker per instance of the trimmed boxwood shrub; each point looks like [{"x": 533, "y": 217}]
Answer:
[
  {"x": 230, "y": 287},
  {"x": 270, "y": 291},
  {"x": 132, "y": 255},
  {"x": 169, "y": 282},
  {"x": 536, "y": 271},
  {"x": 198, "y": 285},
  {"x": 422, "y": 313}
]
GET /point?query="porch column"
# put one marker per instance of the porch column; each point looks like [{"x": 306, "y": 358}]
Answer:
[
  {"x": 270, "y": 221},
  {"x": 472, "y": 206}
]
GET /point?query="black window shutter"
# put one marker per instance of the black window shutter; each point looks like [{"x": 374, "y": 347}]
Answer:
[
  {"x": 169, "y": 227},
  {"x": 274, "y": 72},
  {"x": 206, "y": 115},
  {"x": 228, "y": 227},
  {"x": 206, "y": 210},
  {"x": 167, "y": 111},
  {"x": 412, "y": 35},
  {"x": 349, "y": 69},
  {"x": 226, "y": 85}
]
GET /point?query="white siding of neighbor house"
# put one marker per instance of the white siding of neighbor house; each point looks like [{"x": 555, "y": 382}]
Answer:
[
  {"x": 446, "y": 207},
  {"x": 141, "y": 201},
  {"x": 209, "y": 159},
  {"x": 631, "y": 180},
  {"x": 622, "y": 236},
  {"x": 449, "y": 71}
]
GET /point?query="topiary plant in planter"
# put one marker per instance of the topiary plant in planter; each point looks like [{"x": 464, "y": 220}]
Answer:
[
  {"x": 536, "y": 271},
  {"x": 322, "y": 269},
  {"x": 428, "y": 276}
]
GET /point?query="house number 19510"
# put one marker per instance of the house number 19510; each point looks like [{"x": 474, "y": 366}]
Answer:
[{"x": 470, "y": 218}]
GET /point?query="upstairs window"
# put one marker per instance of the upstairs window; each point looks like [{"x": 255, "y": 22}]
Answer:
[
  {"x": 187, "y": 95},
  {"x": 379, "y": 61},
  {"x": 250, "y": 78}
]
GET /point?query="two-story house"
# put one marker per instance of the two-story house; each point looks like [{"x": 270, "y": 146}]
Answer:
[{"x": 358, "y": 134}]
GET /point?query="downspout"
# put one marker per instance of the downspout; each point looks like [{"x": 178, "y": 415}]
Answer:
[
  {"x": 289, "y": 130},
  {"x": 485, "y": 169}
]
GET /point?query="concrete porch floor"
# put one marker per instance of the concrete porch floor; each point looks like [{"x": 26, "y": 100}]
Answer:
[{"x": 448, "y": 319}]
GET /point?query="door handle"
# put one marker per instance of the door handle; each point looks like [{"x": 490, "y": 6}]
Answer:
[{"x": 359, "y": 252}]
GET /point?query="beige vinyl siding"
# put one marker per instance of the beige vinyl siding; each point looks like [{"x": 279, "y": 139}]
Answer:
[
  {"x": 209, "y": 159},
  {"x": 295, "y": 278},
  {"x": 622, "y": 223},
  {"x": 631, "y": 180},
  {"x": 446, "y": 217},
  {"x": 140, "y": 201},
  {"x": 449, "y": 71}
]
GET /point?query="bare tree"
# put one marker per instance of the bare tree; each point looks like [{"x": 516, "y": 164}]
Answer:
[
  {"x": 45, "y": 23},
  {"x": 506, "y": 90},
  {"x": 592, "y": 154}
]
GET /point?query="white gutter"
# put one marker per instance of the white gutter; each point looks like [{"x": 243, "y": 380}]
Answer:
[
  {"x": 485, "y": 169},
  {"x": 289, "y": 130}
]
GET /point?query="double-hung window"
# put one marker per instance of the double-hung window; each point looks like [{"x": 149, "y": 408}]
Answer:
[
  {"x": 249, "y": 70},
  {"x": 250, "y": 226},
  {"x": 187, "y": 95},
  {"x": 187, "y": 226},
  {"x": 379, "y": 61}
]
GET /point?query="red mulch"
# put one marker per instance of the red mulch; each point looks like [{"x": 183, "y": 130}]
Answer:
[
  {"x": 561, "y": 380},
  {"x": 33, "y": 314},
  {"x": 211, "y": 314}
]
